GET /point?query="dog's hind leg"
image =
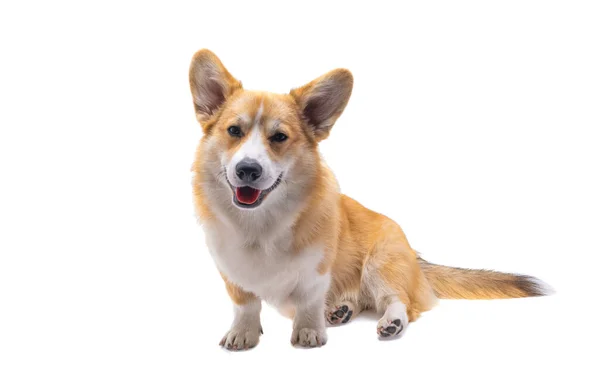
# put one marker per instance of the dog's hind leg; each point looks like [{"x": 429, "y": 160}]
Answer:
[
  {"x": 397, "y": 286},
  {"x": 395, "y": 320},
  {"x": 341, "y": 312}
]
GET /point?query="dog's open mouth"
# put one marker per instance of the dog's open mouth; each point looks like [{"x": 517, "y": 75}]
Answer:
[{"x": 248, "y": 197}]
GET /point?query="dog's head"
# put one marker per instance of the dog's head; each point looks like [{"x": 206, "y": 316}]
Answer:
[{"x": 256, "y": 141}]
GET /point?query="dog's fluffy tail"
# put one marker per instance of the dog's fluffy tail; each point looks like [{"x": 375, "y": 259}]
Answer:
[{"x": 475, "y": 284}]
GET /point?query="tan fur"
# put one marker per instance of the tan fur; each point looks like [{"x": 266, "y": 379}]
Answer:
[
  {"x": 476, "y": 284},
  {"x": 371, "y": 242},
  {"x": 367, "y": 255},
  {"x": 237, "y": 294}
]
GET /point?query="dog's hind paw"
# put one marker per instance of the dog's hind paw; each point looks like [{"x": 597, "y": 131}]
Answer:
[{"x": 340, "y": 314}]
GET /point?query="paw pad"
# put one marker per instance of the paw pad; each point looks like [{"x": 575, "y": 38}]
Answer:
[
  {"x": 391, "y": 328},
  {"x": 340, "y": 315}
]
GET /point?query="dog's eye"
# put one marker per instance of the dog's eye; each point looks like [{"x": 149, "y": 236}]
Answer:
[
  {"x": 279, "y": 137},
  {"x": 234, "y": 131}
]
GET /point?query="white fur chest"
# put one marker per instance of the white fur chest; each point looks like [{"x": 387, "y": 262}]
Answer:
[{"x": 266, "y": 267}]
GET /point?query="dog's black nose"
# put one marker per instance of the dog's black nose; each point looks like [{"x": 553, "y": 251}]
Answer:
[{"x": 248, "y": 170}]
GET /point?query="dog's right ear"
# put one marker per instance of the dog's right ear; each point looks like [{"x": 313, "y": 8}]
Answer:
[{"x": 210, "y": 83}]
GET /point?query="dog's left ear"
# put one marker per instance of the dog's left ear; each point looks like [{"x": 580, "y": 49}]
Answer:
[{"x": 323, "y": 100}]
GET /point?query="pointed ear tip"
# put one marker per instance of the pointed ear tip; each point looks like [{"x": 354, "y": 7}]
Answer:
[
  {"x": 203, "y": 53},
  {"x": 344, "y": 74},
  {"x": 203, "y": 56}
]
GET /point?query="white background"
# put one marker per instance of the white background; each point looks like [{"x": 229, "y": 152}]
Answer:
[{"x": 474, "y": 124}]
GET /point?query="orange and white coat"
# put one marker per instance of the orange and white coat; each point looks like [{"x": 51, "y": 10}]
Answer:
[{"x": 317, "y": 255}]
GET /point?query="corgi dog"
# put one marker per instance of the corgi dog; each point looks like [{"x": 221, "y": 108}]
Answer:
[{"x": 280, "y": 231}]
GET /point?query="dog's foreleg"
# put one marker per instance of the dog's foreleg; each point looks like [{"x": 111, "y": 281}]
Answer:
[
  {"x": 245, "y": 329},
  {"x": 309, "y": 320}
]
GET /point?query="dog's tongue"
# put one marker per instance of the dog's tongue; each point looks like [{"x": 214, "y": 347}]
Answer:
[{"x": 247, "y": 195}]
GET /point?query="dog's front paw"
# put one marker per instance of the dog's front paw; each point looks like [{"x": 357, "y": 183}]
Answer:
[
  {"x": 308, "y": 337},
  {"x": 241, "y": 338}
]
